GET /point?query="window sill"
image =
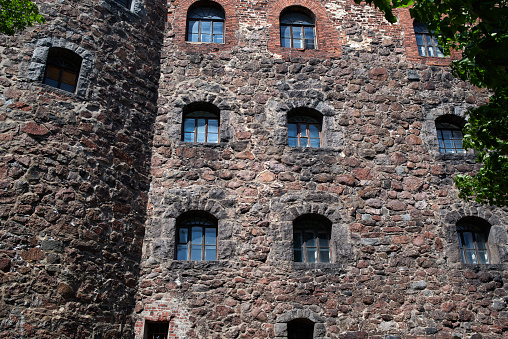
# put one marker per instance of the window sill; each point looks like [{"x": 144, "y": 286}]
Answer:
[
  {"x": 455, "y": 156},
  {"x": 202, "y": 264},
  {"x": 204, "y": 43},
  {"x": 204, "y": 144},
  {"x": 59, "y": 91},
  {"x": 303, "y": 266}
]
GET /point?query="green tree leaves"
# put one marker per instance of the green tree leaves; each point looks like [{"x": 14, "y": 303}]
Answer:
[
  {"x": 16, "y": 15},
  {"x": 479, "y": 29}
]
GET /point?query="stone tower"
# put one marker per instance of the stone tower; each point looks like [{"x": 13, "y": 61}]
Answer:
[
  {"x": 239, "y": 169},
  {"x": 78, "y": 99}
]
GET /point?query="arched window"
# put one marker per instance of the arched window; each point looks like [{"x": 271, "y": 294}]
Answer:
[
  {"x": 449, "y": 134},
  {"x": 297, "y": 28},
  {"x": 304, "y": 128},
  {"x": 426, "y": 42},
  {"x": 311, "y": 239},
  {"x": 201, "y": 123},
  {"x": 62, "y": 69},
  {"x": 196, "y": 237},
  {"x": 206, "y": 24},
  {"x": 473, "y": 233},
  {"x": 300, "y": 329}
]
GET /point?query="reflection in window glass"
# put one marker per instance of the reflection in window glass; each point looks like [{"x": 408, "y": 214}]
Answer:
[
  {"x": 311, "y": 240},
  {"x": 297, "y": 31},
  {"x": 450, "y": 138},
  {"x": 201, "y": 126},
  {"x": 196, "y": 239},
  {"x": 205, "y": 24},
  {"x": 426, "y": 42},
  {"x": 304, "y": 131},
  {"x": 473, "y": 235}
]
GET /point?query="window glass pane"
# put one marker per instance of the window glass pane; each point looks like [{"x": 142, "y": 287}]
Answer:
[
  {"x": 419, "y": 39},
  {"x": 323, "y": 240},
  {"x": 189, "y": 125},
  {"x": 304, "y": 142},
  {"x": 297, "y": 43},
  {"x": 297, "y": 240},
  {"x": 298, "y": 255},
  {"x": 196, "y": 252},
  {"x": 206, "y": 27},
  {"x": 439, "y": 53},
  {"x": 471, "y": 257},
  {"x": 285, "y": 32},
  {"x": 206, "y": 38},
  {"x": 210, "y": 236},
  {"x": 197, "y": 234},
  {"x": 193, "y": 37},
  {"x": 51, "y": 82},
  {"x": 297, "y": 32},
  {"x": 218, "y": 39},
  {"x": 183, "y": 235},
  {"x": 293, "y": 142},
  {"x": 468, "y": 239},
  {"x": 218, "y": 27},
  {"x": 193, "y": 27},
  {"x": 483, "y": 257},
  {"x": 309, "y": 33},
  {"x": 66, "y": 87},
  {"x": 314, "y": 131},
  {"x": 210, "y": 253},
  {"x": 421, "y": 51},
  {"x": 213, "y": 126},
  {"x": 428, "y": 40},
  {"x": 188, "y": 137},
  {"x": 303, "y": 130},
  {"x": 481, "y": 242},
  {"x": 285, "y": 43},
  {"x": 324, "y": 256},
  {"x": 430, "y": 51},
  {"x": 52, "y": 72},
  {"x": 181, "y": 252},
  {"x": 292, "y": 130},
  {"x": 309, "y": 44},
  {"x": 213, "y": 138},
  {"x": 311, "y": 255},
  {"x": 315, "y": 143},
  {"x": 310, "y": 239},
  {"x": 201, "y": 130},
  {"x": 68, "y": 78}
]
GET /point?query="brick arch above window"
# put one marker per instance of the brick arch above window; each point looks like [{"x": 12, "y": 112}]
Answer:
[
  {"x": 180, "y": 26},
  {"x": 326, "y": 36}
]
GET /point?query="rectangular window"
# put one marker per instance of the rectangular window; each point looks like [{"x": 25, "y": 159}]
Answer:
[{"x": 156, "y": 330}]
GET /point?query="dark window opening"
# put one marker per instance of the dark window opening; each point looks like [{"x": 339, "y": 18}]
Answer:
[
  {"x": 196, "y": 237},
  {"x": 426, "y": 41},
  {"x": 473, "y": 236},
  {"x": 156, "y": 330},
  {"x": 62, "y": 69},
  {"x": 311, "y": 239},
  {"x": 300, "y": 329},
  {"x": 206, "y": 24},
  {"x": 297, "y": 29}
]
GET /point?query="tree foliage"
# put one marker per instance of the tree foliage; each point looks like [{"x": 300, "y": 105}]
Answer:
[
  {"x": 16, "y": 15},
  {"x": 479, "y": 29}
]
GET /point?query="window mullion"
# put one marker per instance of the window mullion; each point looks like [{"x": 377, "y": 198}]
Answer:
[{"x": 206, "y": 128}]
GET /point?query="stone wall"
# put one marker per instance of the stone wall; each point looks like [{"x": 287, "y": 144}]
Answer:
[
  {"x": 379, "y": 179},
  {"x": 74, "y": 169}
]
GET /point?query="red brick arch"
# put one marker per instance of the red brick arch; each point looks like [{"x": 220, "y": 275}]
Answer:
[
  {"x": 327, "y": 36},
  {"x": 180, "y": 26}
]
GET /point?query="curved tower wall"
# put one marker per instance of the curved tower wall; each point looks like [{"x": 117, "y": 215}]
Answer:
[
  {"x": 378, "y": 178},
  {"x": 74, "y": 169}
]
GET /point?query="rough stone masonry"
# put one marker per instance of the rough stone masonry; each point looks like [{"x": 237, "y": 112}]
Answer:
[{"x": 95, "y": 184}]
